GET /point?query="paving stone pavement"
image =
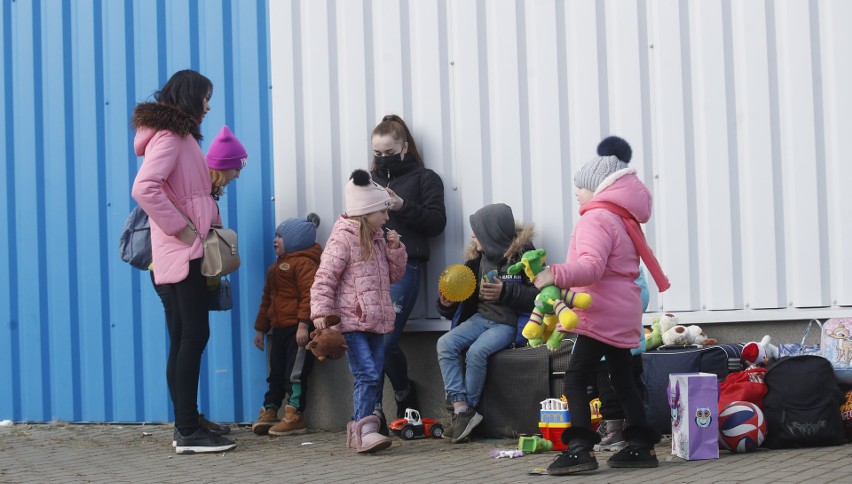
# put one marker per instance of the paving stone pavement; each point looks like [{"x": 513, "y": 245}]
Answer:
[{"x": 60, "y": 452}]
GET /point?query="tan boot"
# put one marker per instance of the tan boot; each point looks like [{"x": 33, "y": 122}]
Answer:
[
  {"x": 291, "y": 424},
  {"x": 268, "y": 417},
  {"x": 370, "y": 438}
]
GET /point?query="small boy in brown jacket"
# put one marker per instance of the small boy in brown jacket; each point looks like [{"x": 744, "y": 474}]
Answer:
[{"x": 284, "y": 319}]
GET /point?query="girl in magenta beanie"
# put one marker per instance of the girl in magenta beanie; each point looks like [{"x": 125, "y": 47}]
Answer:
[{"x": 225, "y": 158}]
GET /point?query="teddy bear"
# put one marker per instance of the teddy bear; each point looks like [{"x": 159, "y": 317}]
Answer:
[
  {"x": 667, "y": 321},
  {"x": 328, "y": 343},
  {"x": 676, "y": 334},
  {"x": 697, "y": 336}
]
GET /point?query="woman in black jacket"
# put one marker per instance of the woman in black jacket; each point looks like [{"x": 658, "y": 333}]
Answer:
[{"x": 417, "y": 214}]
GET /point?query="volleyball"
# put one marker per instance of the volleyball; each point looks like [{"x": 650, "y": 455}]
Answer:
[{"x": 742, "y": 427}]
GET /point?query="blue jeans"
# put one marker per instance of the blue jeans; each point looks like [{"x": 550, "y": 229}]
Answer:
[
  {"x": 366, "y": 354},
  {"x": 482, "y": 338},
  {"x": 403, "y": 295}
]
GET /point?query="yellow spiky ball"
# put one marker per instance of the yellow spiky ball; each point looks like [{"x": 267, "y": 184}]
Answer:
[{"x": 457, "y": 282}]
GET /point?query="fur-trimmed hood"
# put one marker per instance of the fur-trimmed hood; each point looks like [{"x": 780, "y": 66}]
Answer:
[
  {"x": 163, "y": 117},
  {"x": 172, "y": 183},
  {"x": 523, "y": 240}
]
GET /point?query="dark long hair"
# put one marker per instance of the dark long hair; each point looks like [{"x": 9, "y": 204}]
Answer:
[
  {"x": 394, "y": 125},
  {"x": 187, "y": 90}
]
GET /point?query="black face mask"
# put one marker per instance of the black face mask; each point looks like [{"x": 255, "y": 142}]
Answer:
[{"x": 388, "y": 161}]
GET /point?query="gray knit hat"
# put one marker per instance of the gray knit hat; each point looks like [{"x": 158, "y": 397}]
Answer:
[{"x": 613, "y": 154}]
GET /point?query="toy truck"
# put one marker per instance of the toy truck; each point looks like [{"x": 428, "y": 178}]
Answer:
[{"x": 412, "y": 426}]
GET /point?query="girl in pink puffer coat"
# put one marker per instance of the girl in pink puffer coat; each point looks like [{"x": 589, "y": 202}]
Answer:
[
  {"x": 353, "y": 282},
  {"x": 603, "y": 260}
]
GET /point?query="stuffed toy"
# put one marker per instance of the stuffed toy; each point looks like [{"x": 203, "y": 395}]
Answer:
[
  {"x": 676, "y": 336},
  {"x": 679, "y": 335},
  {"x": 549, "y": 336},
  {"x": 550, "y": 300},
  {"x": 667, "y": 322},
  {"x": 654, "y": 338},
  {"x": 697, "y": 336},
  {"x": 328, "y": 343},
  {"x": 759, "y": 353}
]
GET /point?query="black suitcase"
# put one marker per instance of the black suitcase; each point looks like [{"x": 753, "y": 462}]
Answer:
[
  {"x": 558, "y": 366},
  {"x": 518, "y": 380},
  {"x": 659, "y": 364}
]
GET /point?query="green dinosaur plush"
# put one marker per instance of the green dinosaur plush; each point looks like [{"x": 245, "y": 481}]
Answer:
[
  {"x": 550, "y": 300},
  {"x": 654, "y": 339}
]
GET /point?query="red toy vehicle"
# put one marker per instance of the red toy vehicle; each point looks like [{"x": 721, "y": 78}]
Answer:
[{"x": 412, "y": 426}]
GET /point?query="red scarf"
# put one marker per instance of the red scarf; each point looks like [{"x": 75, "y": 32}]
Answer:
[{"x": 638, "y": 238}]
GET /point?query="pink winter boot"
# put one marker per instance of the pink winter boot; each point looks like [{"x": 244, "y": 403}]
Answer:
[
  {"x": 366, "y": 431},
  {"x": 353, "y": 435}
]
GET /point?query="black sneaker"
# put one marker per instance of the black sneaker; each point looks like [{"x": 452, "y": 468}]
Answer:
[
  {"x": 220, "y": 429},
  {"x": 465, "y": 423},
  {"x": 634, "y": 457},
  {"x": 410, "y": 401},
  {"x": 571, "y": 461},
  {"x": 201, "y": 441},
  {"x": 207, "y": 424},
  {"x": 383, "y": 422}
]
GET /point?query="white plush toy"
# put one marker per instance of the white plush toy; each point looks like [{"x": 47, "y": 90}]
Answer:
[
  {"x": 755, "y": 353},
  {"x": 667, "y": 322},
  {"x": 676, "y": 335},
  {"x": 696, "y": 336}
]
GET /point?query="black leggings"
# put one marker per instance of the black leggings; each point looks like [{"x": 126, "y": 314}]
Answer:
[
  {"x": 611, "y": 408},
  {"x": 584, "y": 363},
  {"x": 185, "y": 304}
]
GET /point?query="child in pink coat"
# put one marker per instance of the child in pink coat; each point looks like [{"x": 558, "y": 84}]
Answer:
[
  {"x": 353, "y": 282},
  {"x": 603, "y": 260}
]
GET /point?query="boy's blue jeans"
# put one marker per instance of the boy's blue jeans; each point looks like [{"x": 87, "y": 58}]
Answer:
[
  {"x": 366, "y": 355},
  {"x": 403, "y": 295},
  {"x": 482, "y": 338}
]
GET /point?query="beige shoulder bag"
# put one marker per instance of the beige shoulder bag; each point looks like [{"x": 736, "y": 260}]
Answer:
[{"x": 221, "y": 255}]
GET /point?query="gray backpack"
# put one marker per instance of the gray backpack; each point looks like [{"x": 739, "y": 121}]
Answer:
[{"x": 134, "y": 246}]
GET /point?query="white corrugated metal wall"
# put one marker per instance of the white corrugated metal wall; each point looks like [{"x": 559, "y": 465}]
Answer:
[{"x": 734, "y": 110}]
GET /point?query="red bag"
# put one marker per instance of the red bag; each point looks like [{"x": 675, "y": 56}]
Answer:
[{"x": 746, "y": 385}]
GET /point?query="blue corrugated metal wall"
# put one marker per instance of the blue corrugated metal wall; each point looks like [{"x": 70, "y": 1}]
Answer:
[{"x": 82, "y": 336}]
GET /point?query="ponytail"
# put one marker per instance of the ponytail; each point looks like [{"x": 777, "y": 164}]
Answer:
[{"x": 396, "y": 127}]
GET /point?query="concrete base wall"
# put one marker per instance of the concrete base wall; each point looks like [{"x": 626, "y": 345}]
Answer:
[{"x": 330, "y": 394}]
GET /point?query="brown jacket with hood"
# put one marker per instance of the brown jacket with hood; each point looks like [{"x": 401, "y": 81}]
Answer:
[{"x": 287, "y": 293}]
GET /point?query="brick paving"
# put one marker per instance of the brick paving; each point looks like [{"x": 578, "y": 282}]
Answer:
[{"x": 61, "y": 452}]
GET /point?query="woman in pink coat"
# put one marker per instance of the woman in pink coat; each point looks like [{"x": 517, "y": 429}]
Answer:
[
  {"x": 353, "y": 282},
  {"x": 174, "y": 181},
  {"x": 603, "y": 260}
]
